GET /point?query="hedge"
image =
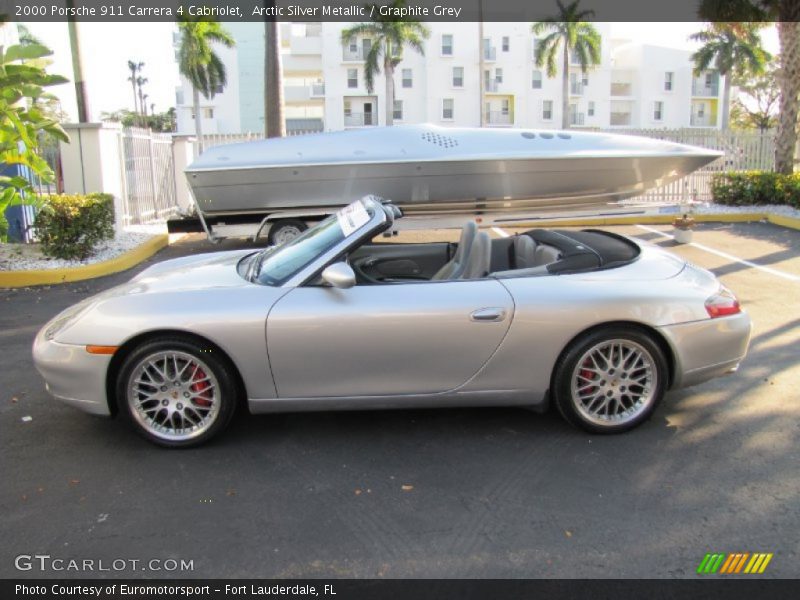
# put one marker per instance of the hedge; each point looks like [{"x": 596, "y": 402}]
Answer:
[
  {"x": 756, "y": 188},
  {"x": 70, "y": 226}
]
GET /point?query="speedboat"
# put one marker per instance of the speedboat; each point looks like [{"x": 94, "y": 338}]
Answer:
[{"x": 424, "y": 167}]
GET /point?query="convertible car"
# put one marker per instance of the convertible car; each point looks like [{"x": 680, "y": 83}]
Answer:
[{"x": 593, "y": 322}]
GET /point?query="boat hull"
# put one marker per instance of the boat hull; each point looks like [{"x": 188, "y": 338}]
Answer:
[{"x": 580, "y": 177}]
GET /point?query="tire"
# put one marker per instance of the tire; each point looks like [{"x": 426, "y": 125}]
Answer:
[
  {"x": 610, "y": 380},
  {"x": 285, "y": 230},
  {"x": 177, "y": 392}
]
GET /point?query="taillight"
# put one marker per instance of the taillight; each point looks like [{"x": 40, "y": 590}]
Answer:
[{"x": 722, "y": 304}]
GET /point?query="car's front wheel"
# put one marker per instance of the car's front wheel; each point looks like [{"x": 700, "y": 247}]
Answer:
[
  {"x": 177, "y": 392},
  {"x": 610, "y": 380}
]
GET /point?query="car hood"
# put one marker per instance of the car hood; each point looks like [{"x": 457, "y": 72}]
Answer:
[{"x": 201, "y": 271}]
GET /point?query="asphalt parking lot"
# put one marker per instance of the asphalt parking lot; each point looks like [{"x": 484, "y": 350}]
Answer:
[{"x": 483, "y": 493}]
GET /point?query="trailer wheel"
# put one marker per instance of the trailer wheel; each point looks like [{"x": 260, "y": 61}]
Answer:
[{"x": 285, "y": 230}]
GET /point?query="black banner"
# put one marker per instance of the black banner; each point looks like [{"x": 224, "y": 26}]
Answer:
[
  {"x": 354, "y": 10},
  {"x": 412, "y": 589}
]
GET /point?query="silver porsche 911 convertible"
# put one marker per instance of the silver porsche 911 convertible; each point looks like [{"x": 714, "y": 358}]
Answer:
[{"x": 593, "y": 322}]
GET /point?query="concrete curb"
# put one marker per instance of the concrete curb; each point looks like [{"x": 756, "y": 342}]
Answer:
[{"x": 131, "y": 258}]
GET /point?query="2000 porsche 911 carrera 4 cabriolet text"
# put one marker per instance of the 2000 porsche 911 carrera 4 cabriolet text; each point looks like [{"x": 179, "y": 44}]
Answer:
[{"x": 593, "y": 322}]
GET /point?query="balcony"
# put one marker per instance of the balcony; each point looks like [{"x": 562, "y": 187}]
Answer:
[
  {"x": 355, "y": 119},
  {"x": 621, "y": 89},
  {"x": 620, "y": 119},
  {"x": 350, "y": 55},
  {"x": 701, "y": 121},
  {"x": 700, "y": 88},
  {"x": 492, "y": 86},
  {"x": 317, "y": 90},
  {"x": 499, "y": 118},
  {"x": 576, "y": 88},
  {"x": 577, "y": 119},
  {"x": 303, "y": 93},
  {"x": 490, "y": 54}
]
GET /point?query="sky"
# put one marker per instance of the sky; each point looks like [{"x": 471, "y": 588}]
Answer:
[{"x": 107, "y": 47}]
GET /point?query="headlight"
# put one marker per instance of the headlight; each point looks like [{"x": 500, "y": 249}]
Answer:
[{"x": 65, "y": 318}]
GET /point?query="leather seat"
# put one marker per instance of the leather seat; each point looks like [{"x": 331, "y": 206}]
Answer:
[
  {"x": 523, "y": 252},
  {"x": 480, "y": 258},
  {"x": 455, "y": 268}
]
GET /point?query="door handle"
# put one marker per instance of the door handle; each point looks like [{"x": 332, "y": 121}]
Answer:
[{"x": 488, "y": 314}]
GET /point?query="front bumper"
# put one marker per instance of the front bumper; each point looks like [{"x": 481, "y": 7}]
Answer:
[
  {"x": 72, "y": 375},
  {"x": 707, "y": 349}
]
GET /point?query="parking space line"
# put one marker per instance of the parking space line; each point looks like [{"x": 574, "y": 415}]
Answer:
[
  {"x": 500, "y": 232},
  {"x": 727, "y": 256}
]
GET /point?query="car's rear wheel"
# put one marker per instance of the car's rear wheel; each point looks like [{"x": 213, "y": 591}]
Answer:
[
  {"x": 177, "y": 392},
  {"x": 610, "y": 380}
]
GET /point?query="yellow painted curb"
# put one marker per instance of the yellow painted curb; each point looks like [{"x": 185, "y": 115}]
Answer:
[
  {"x": 644, "y": 220},
  {"x": 790, "y": 222},
  {"x": 15, "y": 279}
]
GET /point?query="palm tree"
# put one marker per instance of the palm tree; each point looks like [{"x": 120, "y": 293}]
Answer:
[
  {"x": 140, "y": 81},
  {"x": 134, "y": 68},
  {"x": 386, "y": 51},
  {"x": 787, "y": 15},
  {"x": 735, "y": 49},
  {"x": 569, "y": 32},
  {"x": 198, "y": 62}
]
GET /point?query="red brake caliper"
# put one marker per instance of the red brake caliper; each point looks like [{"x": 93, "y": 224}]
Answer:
[
  {"x": 200, "y": 387},
  {"x": 586, "y": 373}
]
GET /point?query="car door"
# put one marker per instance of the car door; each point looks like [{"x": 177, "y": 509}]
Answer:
[{"x": 392, "y": 339}]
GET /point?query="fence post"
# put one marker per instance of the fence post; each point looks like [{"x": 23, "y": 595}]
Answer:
[
  {"x": 183, "y": 153},
  {"x": 91, "y": 162}
]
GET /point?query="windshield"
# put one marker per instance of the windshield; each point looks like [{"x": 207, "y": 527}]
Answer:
[{"x": 275, "y": 265}]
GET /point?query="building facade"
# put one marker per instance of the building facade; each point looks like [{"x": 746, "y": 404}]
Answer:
[{"x": 633, "y": 86}]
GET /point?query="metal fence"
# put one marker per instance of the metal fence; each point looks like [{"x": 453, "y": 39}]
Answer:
[
  {"x": 220, "y": 139},
  {"x": 744, "y": 151},
  {"x": 148, "y": 169}
]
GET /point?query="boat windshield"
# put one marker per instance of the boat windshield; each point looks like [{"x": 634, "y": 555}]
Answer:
[{"x": 277, "y": 264}]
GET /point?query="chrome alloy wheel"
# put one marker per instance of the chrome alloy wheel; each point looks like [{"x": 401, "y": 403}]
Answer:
[
  {"x": 173, "y": 395},
  {"x": 286, "y": 234},
  {"x": 614, "y": 382}
]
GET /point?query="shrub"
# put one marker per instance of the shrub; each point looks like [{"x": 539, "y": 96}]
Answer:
[
  {"x": 69, "y": 226},
  {"x": 756, "y": 188}
]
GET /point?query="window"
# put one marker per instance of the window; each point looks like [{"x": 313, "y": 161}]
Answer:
[
  {"x": 348, "y": 109},
  {"x": 536, "y": 82},
  {"x": 585, "y": 80},
  {"x": 208, "y": 112},
  {"x": 366, "y": 46},
  {"x": 709, "y": 79},
  {"x": 458, "y": 77},
  {"x": 448, "y": 109},
  {"x": 498, "y": 75},
  {"x": 658, "y": 111},
  {"x": 352, "y": 78},
  {"x": 408, "y": 80},
  {"x": 547, "y": 110},
  {"x": 178, "y": 96},
  {"x": 219, "y": 89},
  {"x": 353, "y": 46},
  {"x": 447, "y": 44},
  {"x": 505, "y": 106},
  {"x": 397, "y": 113},
  {"x": 668, "y": 80},
  {"x": 535, "y": 48},
  {"x": 590, "y": 110},
  {"x": 506, "y": 43}
]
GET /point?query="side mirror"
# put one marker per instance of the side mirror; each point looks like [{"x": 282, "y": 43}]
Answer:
[{"x": 339, "y": 275}]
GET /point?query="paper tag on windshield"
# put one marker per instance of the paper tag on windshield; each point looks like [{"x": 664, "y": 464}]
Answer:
[{"x": 352, "y": 217}]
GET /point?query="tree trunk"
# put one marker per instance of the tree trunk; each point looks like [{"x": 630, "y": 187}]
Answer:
[
  {"x": 275, "y": 125},
  {"x": 726, "y": 102},
  {"x": 81, "y": 97},
  {"x": 481, "y": 67},
  {"x": 388, "y": 71},
  {"x": 565, "y": 88},
  {"x": 198, "y": 127},
  {"x": 135, "y": 100},
  {"x": 141, "y": 108},
  {"x": 789, "y": 76}
]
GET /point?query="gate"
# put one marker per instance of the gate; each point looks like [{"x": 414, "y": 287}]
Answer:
[{"x": 149, "y": 193}]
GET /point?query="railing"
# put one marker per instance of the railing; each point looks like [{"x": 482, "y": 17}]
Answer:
[
  {"x": 490, "y": 54},
  {"x": 577, "y": 119},
  {"x": 360, "y": 120},
  {"x": 701, "y": 121},
  {"x": 620, "y": 118},
  {"x": 349, "y": 55},
  {"x": 744, "y": 151},
  {"x": 317, "y": 90},
  {"x": 576, "y": 88},
  {"x": 701, "y": 89},
  {"x": 491, "y": 86},
  {"x": 499, "y": 118},
  {"x": 621, "y": 89}
]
